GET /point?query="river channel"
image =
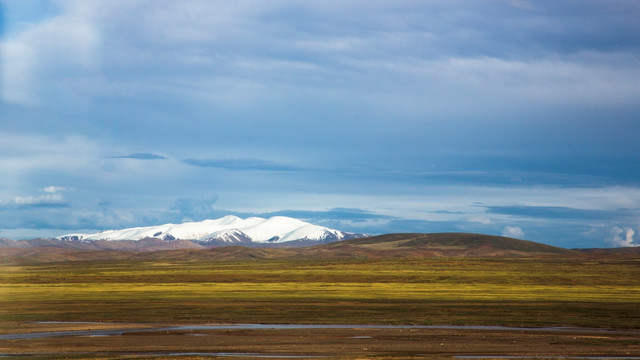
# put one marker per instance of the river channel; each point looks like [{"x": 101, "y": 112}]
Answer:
[{"x": 121, "y": 331}]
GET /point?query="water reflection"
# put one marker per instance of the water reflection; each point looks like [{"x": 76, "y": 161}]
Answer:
[{"x": 121, "y": 331}]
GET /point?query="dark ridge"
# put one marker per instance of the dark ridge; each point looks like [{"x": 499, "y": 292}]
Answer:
[
  {"x": 632, "y": 251},
  {"x": 460, "y": 240},
  {"x": 451, "y": 241}
]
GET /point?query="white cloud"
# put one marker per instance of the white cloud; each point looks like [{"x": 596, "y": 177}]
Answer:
[
  {"x": 67, "y": 44},
  {"x": 26, "y": 152},
  {"x": 480, "y": 220},
  {"x": 46, "y": 199},
  {"x": 28, "y": 160},
  {"x": 207, "y": 39},
  {"x": 55, "y": 189},
  {"x": 52, "y": 196},
  {"x": 521, "y": 4},
  {"x": 622, "y": 237},
  {"x": 555, "y": 79},
  {"x": 513, "y": 231}
]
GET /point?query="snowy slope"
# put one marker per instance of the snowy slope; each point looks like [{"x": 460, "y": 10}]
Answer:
[{"x": 230, "y": 229}]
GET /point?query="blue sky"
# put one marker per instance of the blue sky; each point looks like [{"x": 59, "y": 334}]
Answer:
[{"x": 514, "y": 117}]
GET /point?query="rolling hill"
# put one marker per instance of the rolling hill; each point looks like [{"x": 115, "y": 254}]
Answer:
[
  {"x": 375, "y": 247},
  {"x": 444, "y": 244}
]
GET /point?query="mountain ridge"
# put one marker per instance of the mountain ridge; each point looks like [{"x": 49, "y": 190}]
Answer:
[
  {"x": 228, "y": 229},
  {"x": 387, "y": 246}
]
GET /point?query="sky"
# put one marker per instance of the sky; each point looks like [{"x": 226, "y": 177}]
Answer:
[{"x": 505, "y": 117}]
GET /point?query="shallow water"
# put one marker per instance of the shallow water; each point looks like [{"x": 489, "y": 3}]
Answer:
[
  {"x": 50, "y": 334},
  {"x": 546, "y": 357},
  {"x": 120, "y": 331},
  {"x": 256, "y": 355},
  {"x": 205, "y": 354}
]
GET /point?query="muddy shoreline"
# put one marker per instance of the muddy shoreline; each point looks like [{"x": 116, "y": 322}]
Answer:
[
  {"x": 108, "y": 340},
  {"x": 113, "y": 329}
]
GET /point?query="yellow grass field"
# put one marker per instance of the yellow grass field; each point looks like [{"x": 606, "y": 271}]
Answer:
[{"x": 522, "y": 292}]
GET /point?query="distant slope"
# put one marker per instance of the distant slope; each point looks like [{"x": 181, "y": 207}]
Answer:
[
  {"x": 4, "y": 242},
  {"x": 443, "y": 244},
  {"x": 376, "y": 247},
  {"x": 124, "y": 245},
  {"x": 622, "y": 251}
]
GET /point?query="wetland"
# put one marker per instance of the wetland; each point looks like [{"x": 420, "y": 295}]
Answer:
[{"x": 376, "y": 308}]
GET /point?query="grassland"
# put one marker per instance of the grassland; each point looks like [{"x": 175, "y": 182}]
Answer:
[{"x": 516, "y": 292}]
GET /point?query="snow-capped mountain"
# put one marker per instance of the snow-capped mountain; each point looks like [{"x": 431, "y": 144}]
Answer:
[{"x": 228, "y": 229}]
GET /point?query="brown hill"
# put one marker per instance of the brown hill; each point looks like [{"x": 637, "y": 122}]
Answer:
[
  {"x": 148, "y": 244},
  {"x": 623, "y": 252},
  {"x": 443, "y": 244},
  {"x": 4, "y": 242},
  {"x": 376, "y": 247}
]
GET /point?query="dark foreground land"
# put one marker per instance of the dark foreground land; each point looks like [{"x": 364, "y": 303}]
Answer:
[
  {"x": 599, "y": 295},
  {"x": 344, "y": 343}
]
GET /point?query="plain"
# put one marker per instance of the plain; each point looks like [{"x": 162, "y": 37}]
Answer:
[{"x": 552, "y": 291}]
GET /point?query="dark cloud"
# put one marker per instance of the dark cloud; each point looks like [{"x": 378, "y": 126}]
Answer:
[
  {"x": 557, "y": 27},
  {"x": 585, "y": 170},
  {"x": 44, "y": 205},
  {"x": 40, "y": 205},
  {"x": 139, "y": 156},
  {"x": 399, "y": 225},
  {"x": 559, "y": 212},
  {"x": 242, "y": 164},
  {"x": 348, "y": 214}
]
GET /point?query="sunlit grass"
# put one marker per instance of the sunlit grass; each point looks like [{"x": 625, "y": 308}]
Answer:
[
  {"x": 540, "y": 292},
  {"x": 317, "y": 291}
]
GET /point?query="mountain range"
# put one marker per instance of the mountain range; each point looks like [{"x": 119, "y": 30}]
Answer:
[
  {"x": 228, "y": 230},
  {"x": 278, "y": 237},
  {"x": 387, "y": 246}
]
